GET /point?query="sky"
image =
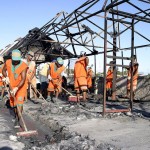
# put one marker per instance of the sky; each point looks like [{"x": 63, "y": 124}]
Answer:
[{"x": 19, "y": 16}]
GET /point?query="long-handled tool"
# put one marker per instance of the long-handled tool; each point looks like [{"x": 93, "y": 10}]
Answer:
[
  {"x": 71, "y": 98},
  {"x": 26, "y": 132},
  {"x": 38, "y": 92}
]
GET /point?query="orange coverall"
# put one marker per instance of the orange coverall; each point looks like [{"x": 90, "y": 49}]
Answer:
[
  {"x": 14, "y": 74},
  {"x": 1, "y": 82},
  {"x": 109, "y": 78},
  {"x": 89, "y": 77},
  {"x": 135, "y": 77},
  {"x": 55, "y": 73},
  {"x": 80, "y": 74}
]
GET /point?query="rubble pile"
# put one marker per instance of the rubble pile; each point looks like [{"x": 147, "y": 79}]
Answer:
[
  {"x": 73, "y": 141},
  {"x": 72, "y": 111},
  {"x": 142, "y": 91},
  {"x": 60, "y": 138}
]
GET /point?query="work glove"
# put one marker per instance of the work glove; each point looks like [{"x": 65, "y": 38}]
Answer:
[
  {"x": 49, "y": 77},
  {"x": 29, "y": 81},
  {"x": 129, "y": 78},
  {"x": 6, "y": 80},
  {"x": 15, "y": 90}
]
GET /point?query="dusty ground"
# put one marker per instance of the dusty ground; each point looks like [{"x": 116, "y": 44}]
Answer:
[
  {"x": 74, "y": 127},
  {"x": 123, "y": 132},
  {"x": 6, "y": 129}
]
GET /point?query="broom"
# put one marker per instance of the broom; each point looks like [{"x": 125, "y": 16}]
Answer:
[
  {"x": 71, "y": 98},
  {"x": 39, "y": 93},
  {"x": 26, "y": 132}
]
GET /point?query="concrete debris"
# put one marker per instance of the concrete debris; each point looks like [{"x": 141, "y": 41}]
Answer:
[
  {"x": 13, "y": 138},
  {"x": 81, "y": 117},
  {"x": 128, "y": 114},
  {"x": 75, "y": 142},
  {"x": 107, "y": 147},
  {"x": 70, "y": 110},
  {"x": 114, "y": 115}
]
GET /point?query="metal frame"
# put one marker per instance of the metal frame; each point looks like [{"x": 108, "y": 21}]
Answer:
[{"x": 128, "y": 20}]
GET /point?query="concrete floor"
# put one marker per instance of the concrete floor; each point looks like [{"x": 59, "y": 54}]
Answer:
[
  {"x": 122, "y": 132},
  {"x": 6, "y": 129}
]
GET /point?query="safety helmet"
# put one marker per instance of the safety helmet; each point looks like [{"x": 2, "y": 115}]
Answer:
[
  {"x": 60, "y": 61},
  {"x": 16, "y": 55}
]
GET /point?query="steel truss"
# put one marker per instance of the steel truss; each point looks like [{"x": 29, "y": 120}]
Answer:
[
  {"x": 88, "y": 28},
  {"x": 80, "y": 28}
]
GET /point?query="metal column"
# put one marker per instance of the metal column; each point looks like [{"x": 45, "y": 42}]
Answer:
[
  {"x": 114, "y": 68},
  {"x": 132, "y": 54},
  {"x": 95, "y": 64},
  {"x": 105, "y": 51},
  {"x": 122, "y": 64}
]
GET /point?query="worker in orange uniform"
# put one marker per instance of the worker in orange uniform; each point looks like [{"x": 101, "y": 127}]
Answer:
[
  {"x": 31, "y": 78},
  {"x": 16, "y": 70},
  {"x": 89, "y": 77},
  {"x": 109, "y": 80},
  {"x": 2, "y": 89},
  {"x": 135, "y": 77},
  {"x": 80, "y": 76},
  {"x": 55, "y": 79}
]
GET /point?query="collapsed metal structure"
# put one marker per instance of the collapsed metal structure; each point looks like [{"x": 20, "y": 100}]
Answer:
[
  {"x": 93, "y": 27},
  {"x": 34, "y": 41}
]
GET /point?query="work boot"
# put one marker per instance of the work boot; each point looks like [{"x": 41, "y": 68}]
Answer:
[
  {"x": 109, "y": 92},
  {"x": 48, "y": 99},
  {"x": 54, "y": 100},
  {"x": 129, "y": 113},
  {"x": 1, "y": 98},
  {"x": 14, "y": 119},
  {"x": 83, "y": 103},
  {"x": 16, "y": 124}
]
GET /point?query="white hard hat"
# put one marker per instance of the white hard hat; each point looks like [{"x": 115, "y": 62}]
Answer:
[{"x": 1, "y": 59}]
